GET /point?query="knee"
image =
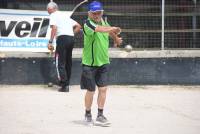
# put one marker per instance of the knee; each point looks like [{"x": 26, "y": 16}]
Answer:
[
  {"x": 90, "y": 93},
  {"x": 102, "y": 90}
]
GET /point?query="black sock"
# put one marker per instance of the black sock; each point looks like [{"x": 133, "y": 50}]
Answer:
[
  {"x": 87, "y": 112},
  {"x": 100, "y": 112}
]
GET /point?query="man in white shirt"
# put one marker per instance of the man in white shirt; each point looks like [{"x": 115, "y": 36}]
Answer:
[{"x": 63, "y": 28}]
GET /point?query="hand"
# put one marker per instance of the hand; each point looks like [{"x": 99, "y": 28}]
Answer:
[
  {"x": 50, "y": 47},
  {"x": 116, "y": 30},
  {"x": 118, "y": 41}
]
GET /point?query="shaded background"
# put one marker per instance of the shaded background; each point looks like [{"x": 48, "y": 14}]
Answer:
[{"x": 139, "y": 19}]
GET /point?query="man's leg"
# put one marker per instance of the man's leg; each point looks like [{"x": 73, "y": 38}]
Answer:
[
  {"x": 60, "y": 63},
  {"x": 88, "y": 100},
  {"x": 102, "y": 82},
  {"x": 101, "y": 119},
  {"x": 88, "y": 82},
  {"x": 88, "y": 104},
  {"x": 69, "y": 47},
  {"x": 101, "y": 97}
]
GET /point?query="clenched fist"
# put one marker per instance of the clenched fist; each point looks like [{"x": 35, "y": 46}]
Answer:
[
  {"x": 116, "y": 30},
  {"x": 50, "y": 47}
]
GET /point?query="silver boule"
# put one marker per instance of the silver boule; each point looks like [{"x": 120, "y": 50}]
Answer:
[
  {"x": 50, "y": 84},
  {"x": 128, "y": 48}
]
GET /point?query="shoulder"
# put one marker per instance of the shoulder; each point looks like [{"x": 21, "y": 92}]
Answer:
[
  {"x": 90, "y": 24},
  {"x": 57, "y": 14},
  {"x": 53, "y": 15},
  {"x": 105, "y": 21}
]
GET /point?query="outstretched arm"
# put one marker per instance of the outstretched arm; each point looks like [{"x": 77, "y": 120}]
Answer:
[
  {"x": 113, "y": 32},
  {"x": 107, "y": 29}
]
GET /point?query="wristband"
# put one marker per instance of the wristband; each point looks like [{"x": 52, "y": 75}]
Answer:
[{"x": 50, "y": 41}]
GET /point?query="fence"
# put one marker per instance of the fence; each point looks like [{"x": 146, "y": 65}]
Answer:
[{"x": 141, "y": 20}]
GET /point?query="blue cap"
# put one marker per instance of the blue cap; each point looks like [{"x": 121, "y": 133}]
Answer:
[{"x": 95, "y": 6}]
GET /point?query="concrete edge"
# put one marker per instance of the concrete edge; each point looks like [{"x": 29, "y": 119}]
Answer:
[{"x": 114, "y": 53}]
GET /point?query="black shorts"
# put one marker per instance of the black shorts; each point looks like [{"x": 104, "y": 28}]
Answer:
[{"x": 92, "y": 76}]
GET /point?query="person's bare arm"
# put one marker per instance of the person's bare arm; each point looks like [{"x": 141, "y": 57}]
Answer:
[
  {"x": 113, "y": 32},
  {"x": 117, "y": 40},
  {"x": 77, "y": 28},
  {"x": 53, "y": 34},
  {"x": 107, "y": 29}
]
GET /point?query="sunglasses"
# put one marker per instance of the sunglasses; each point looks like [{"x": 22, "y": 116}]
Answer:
[{"x": 97, "y": 13}]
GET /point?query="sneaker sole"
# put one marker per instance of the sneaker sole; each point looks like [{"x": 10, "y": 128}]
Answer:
[
  {"x": 89, "y": 123},
  {"x": 102, "y": 124}
]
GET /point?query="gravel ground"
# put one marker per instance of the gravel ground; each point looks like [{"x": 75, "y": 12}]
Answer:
[{"x": 38, "y": 109}]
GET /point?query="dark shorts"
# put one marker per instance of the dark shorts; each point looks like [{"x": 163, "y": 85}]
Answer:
[{"x": 92, "y": 76}]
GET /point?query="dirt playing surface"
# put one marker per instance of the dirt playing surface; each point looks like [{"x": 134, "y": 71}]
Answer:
[{"x": 38, "y": 109}]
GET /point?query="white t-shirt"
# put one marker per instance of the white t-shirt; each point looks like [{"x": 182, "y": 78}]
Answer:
[{"x": 63, "y": 22}]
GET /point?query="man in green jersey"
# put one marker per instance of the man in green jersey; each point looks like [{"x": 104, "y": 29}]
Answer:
[{"x": 95, "y": 60}]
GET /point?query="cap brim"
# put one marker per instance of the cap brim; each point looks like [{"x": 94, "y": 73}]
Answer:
[{"x": 96, "y": 11}]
